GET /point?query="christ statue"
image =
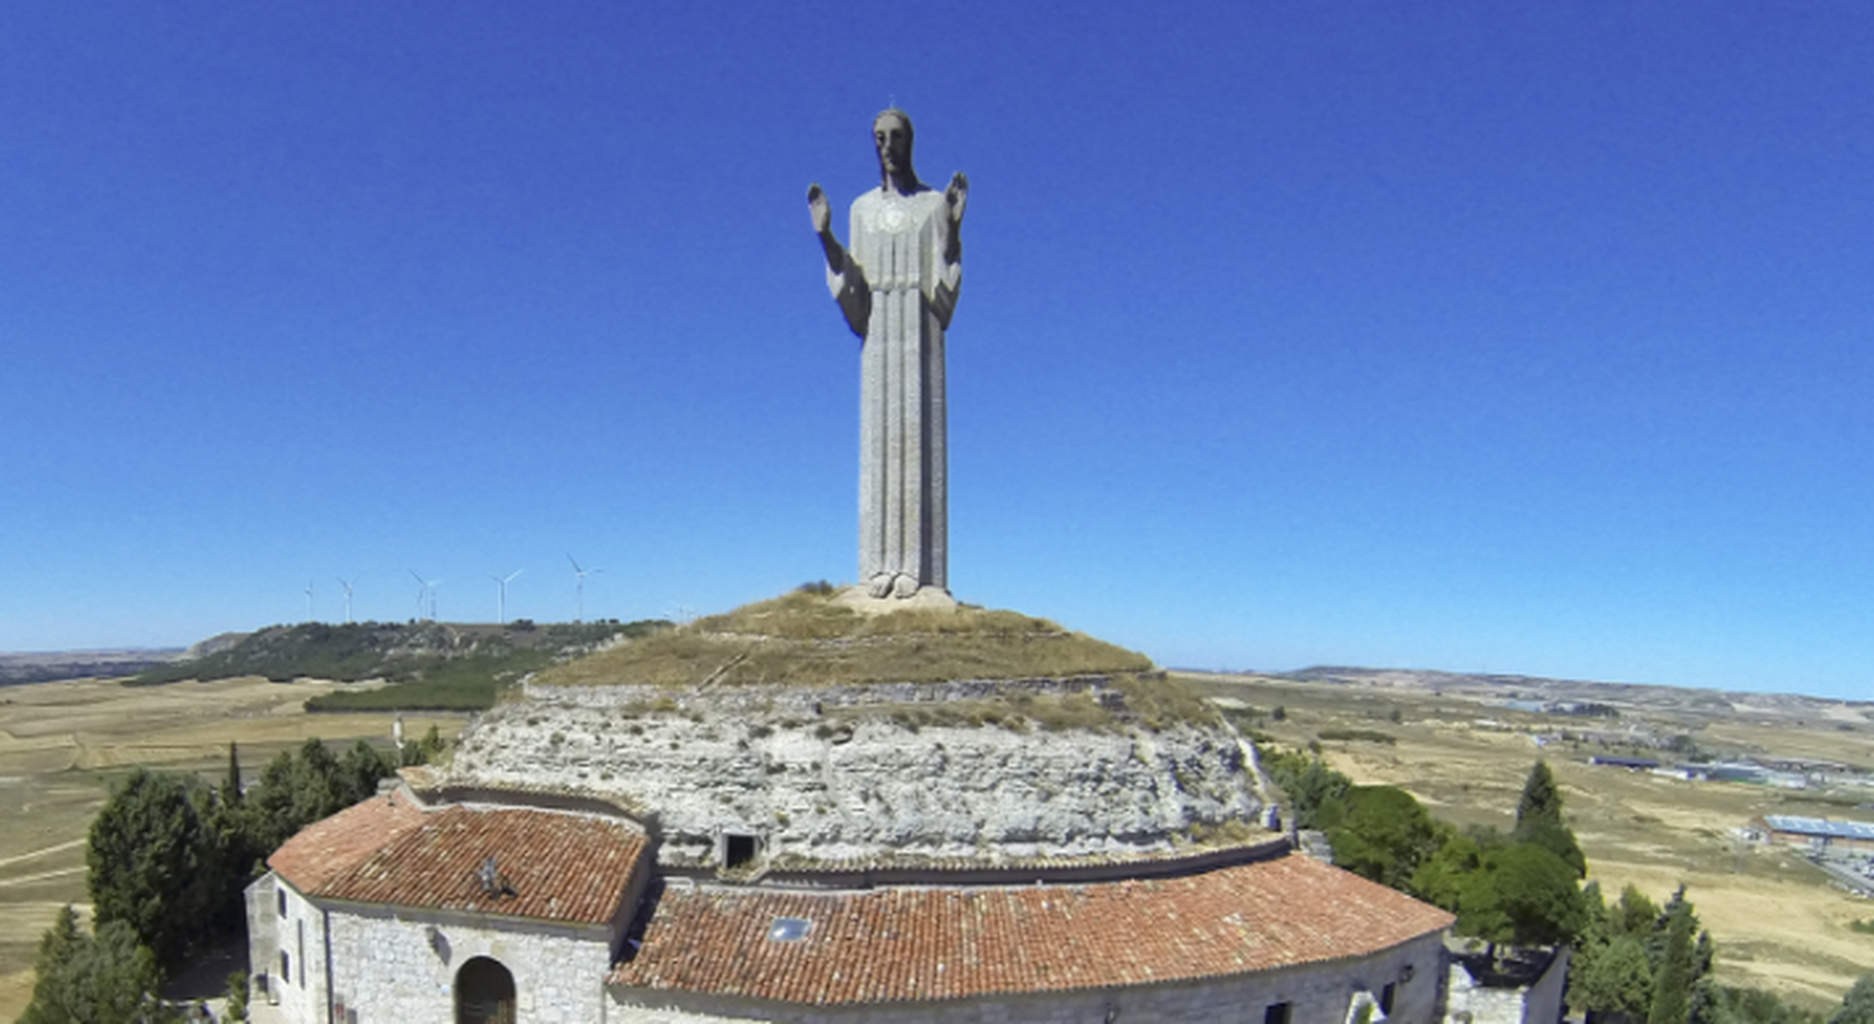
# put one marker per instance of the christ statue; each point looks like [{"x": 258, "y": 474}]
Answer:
[{"x": 897, "y": 286}]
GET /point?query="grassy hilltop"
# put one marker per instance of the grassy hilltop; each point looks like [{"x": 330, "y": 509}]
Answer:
[{"x": 811, "y": 637}]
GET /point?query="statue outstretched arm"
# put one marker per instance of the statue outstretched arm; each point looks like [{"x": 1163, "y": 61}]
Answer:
[
  {"x": 949, "y": 283},
  {"x": 844, "y": 277}
]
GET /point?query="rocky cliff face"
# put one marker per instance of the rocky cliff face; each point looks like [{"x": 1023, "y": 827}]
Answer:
[{"x": 983, "y": 773}]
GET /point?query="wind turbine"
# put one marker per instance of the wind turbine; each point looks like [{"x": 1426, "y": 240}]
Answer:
[
  {"x": 579, "y": 589},
  {"x": 308, "y": 600},
  {"x": 501, "y": 606},
  {"x": 428, "y": 590},
  {"x": 347, "y": 586}
]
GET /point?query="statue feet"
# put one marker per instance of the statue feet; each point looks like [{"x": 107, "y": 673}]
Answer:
[{"x": 893, "y": 584}]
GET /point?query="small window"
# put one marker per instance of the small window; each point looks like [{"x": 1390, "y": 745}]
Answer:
[
  {"x": 1385, "y": 999},
  {"x": 737, "y": 850},
  {"x": 282, "y": 894},
  {"x": 286, "y": 966},
  {"x": 1277, "y": 1013}
]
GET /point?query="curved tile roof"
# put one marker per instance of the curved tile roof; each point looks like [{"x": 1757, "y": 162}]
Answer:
[
  {"x": 554, "y": 866},
  {"x": 909, "y": 944}
]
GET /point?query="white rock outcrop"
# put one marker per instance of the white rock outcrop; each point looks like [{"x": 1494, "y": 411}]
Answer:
[{"x": 830, "y": 777}]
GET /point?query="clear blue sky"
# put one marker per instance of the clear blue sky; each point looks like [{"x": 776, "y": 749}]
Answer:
[{"x": 1511, "y": 337}]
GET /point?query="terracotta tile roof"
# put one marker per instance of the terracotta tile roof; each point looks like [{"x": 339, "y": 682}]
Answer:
[
  {"x": 327, "y": 847},
  {"x": 907, "y": 944},
  {"x": 561, "y": 867}
]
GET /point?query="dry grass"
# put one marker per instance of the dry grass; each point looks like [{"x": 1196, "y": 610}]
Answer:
[
  {"x": 811, "y": 640},
  {"x": 63, "y": 744},
  {"x": 1779, "y": 924},
  {"x": 1148, "y": 701}
]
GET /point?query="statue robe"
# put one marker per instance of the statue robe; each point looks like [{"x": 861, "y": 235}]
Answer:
[{"x": 897, "y": 291}]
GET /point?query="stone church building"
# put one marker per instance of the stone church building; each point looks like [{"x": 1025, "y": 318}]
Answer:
[{"x": 1019, "y": 850}]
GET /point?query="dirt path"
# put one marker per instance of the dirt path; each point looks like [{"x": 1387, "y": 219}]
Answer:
[{"x": 70, "y": 844}]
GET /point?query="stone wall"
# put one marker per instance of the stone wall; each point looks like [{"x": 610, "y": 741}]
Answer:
[
  {"x": 848, "y": 787},
  {"x": 297, "y": 984},
  {"x": 1316, "y": 994},
  {"x": 400, "y": 966}
]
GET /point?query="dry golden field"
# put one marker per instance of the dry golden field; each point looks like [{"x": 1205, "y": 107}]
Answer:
[
  {"x": 1778, "y": 922},
  {"x": 62, "y": 745}
]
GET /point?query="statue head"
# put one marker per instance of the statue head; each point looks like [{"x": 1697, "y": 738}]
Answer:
[{"x": 891, "y": 133}]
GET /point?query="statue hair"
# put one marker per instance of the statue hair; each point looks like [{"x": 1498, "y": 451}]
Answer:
[
  {"x": 910, "y": 135},
  {"x": 894, "y": 111}
]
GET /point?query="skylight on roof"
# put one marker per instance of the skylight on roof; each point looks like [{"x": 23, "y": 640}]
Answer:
[{"x": 789, "y": 929}]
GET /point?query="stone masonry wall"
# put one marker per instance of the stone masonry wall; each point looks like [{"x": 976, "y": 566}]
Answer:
[
  {"x": 1317, "y": 994},
  {"x": 400, "y": 967}
]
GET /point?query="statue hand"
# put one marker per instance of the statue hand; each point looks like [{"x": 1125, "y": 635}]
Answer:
[
  {"x": 957, "y": 195},
  {"x": 818, "y": 209}
]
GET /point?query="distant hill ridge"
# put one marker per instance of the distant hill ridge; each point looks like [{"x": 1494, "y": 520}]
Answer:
[
  {"x": 109, "y": 663},
  {"x": 430, "y": 665},
  {"x": 1511, "y": 687}
]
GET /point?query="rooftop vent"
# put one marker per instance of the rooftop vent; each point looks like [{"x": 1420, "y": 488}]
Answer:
[
  {"x": 493, "y": 882},
  {"x": 789, "y": 929}
]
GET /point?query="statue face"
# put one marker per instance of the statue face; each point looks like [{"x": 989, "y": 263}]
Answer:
[{"x": 892, "y": 136}]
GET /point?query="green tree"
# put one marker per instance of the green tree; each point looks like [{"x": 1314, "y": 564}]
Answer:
[
  {"x": 1672, "y": 981},
  {"x": 1755, "y": 1006},
  {"x": 1612, "y": 979},
  {"x": 430, "y": 747},
  {"x": 1307, "y": 782},
  {"x": 236, "y": 1007},
  {"x": 231, "y": 787},
  {"x": 298, "y": 789},
  {"x": 146, "y": 856},
  {"x": 1539, "y": 819},
  {"x": 1635, "y": 914},
  {"x": 109, "y": 978},
  {"x": 359, "y": 771},
  {"x": 1442, "y": 878},
  {"x": 1523, "y": 895},
  {"x": 1381, "y": 833},
  {"x": 1857, "y": 1007},
  {"x": 319, "y": 787}
]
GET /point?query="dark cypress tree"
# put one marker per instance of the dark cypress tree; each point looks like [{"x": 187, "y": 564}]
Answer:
[
  {"x": 1672, "y": 982},
  {"x": 231, "y": 789},
  {"x": 1539, "y": 819},
  {"x": 147, "y": 863}
]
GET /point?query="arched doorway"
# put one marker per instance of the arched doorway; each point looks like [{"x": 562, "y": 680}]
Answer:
[{"x": 484, "y": 993}]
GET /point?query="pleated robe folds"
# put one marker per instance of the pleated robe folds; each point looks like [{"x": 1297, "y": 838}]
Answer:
[{"x": 897, "y": 292}]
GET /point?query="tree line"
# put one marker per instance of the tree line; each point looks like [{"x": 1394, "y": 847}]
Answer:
[
  {"x": 1635, "y": 962},
  {"x": 169, "y": 859}
]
